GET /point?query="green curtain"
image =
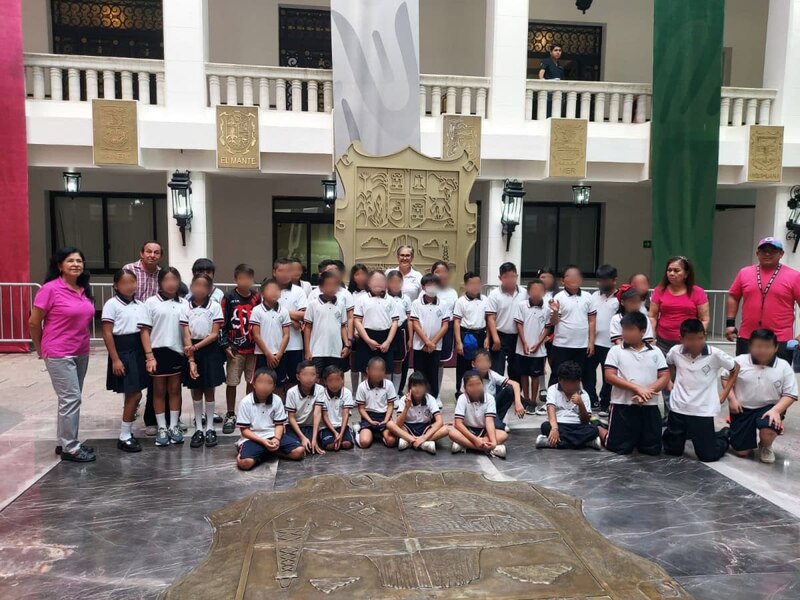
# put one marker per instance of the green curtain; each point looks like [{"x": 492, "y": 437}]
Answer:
[{"x": 687, "y": 79}]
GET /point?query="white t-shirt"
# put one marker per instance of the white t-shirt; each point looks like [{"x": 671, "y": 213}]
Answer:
[
  {"x": 412, "y": 283},
  {"x": 641, "y": 367},
  {"x": 615, "y": 328},
  {"x": 566, "y": 411},
  {"x": 758, "y": 386},
  {"x": 606, "y": 307},
  {"x": 474, "y": 413},
  {"x": 260, "y": 417},
  {"x": 493, "y": 381},
  {"x": 471, "y": 312},
  {"x": 534, "y": 320},
  {"x": 200, "y": 319},
  {"x": 305, "y": 286},
  {"x": 504, "y": 307},
  {"x": 326, "y": 320},
  {"x": 424, "y": 412},
  {"x": 335, "y": 406},
  {"x": 303, "y": 406},
  {"x": 572, "y": 328},
  {"x": 272, "y": 324},
  {"x": 342, "y": 294},
  {"x": 430, "y": 315},
  {"x": 696, "y": 388},
  {"x": 377, "y": 312},
  {"x": 162, "y": 316},
  {"x": 448, "y": 298},
  {"x": 403, "y": 303},
  {"x": 294, "y": 299},
  {"x": 125, "y": 316},
  {"x": 375, "y": 399}
]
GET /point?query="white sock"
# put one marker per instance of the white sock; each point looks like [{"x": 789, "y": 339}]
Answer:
[
  {"x": 210, "y": 415},
  {"x": 125, "y": 431},
  {"x": 161, "y": 419},
  {"x": 542, "y": 385},
  {"x": 441, "y": 377},
  {"x": 396, "y": 378},
  {"x": 355, "y": 379},
  {"x": 173, "y": 418},
  {"x": 198, "y": 414}
]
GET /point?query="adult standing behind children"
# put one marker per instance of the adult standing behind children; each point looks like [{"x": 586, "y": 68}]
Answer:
[{"x": 412, "y": 279}]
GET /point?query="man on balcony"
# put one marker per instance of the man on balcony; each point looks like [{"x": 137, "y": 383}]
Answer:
[{"x": 551, "y": 69}]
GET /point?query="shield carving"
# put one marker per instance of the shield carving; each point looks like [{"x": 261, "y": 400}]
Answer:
[{"x": 237, "y": 137}]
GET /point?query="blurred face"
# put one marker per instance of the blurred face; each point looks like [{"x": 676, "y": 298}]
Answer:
[
  {"x": 404, "y": 257},
  {"x": 331, "y": 268},
  {"x": 200, "y": 290},
  {"x": 676, "y": 274},
  {"x": 360, "y": 277},
  {"x": 473, "y": 387},
  {"x": 126, "y": 285},
  {"x": 632, "y": 304},
  {"x": 418, "y": 392},
  {"x": 245, "y": 281},
  {"x": 632, "y": 335},
  {"x": 444, "y": 275},
  {"x": 536, "y": 293},
  {"x": 394, "y": 285},
  {"x": 548, "y": 280},
  {"x": 271, "y": 293},
  {"x": 377, "y": 283},
  {"x": 762, "y": 351},
  {"x": 282, "y": 273},
  {"x": 72, "y": 265},
  {"x": 508, "y": 281},
  {"x": 170, "y": 284},
  {"x": 432, "y": 290},
  {"x": 769, "y": 256},
  {"x": 607, "y": 285},
  {"x": 307, "y": 377},
  {"x": 297, "y": 271},
  {"x": 641, "y": 284},
  {"x": 694, "y": 343},
  {"x": 482, "y": 363},
  {"x": 376, "y": 373},
  {"x": 150, "y": 255},
  {"x": 473, "y": 286},
  {"x": 329, "y": 287},
  {"x": 572, "y": 279},
  {"x": 334, "y": 382},
  {"x": 570, "y": 387},
  {"x": 263, "y": 386},
  {"x": 205, "y": 272}
]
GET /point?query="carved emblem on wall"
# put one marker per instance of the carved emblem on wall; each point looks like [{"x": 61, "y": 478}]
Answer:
[
  {"x": 406, "y": 198},
  {"x": 567, "y": 148},
  {"x": 765, "y": 153},
  {"x": 115, "y": 132},
  {"x": 459, "y": 133},
  {"x": 237, "y": 137},
  {"x": 418, "y": 535}
]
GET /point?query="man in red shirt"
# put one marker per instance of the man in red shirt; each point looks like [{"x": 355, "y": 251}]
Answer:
[{"x": 769, "y": 291}]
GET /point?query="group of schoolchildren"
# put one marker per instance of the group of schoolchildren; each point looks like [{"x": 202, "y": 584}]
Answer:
[{"x": 293, "y": 345}]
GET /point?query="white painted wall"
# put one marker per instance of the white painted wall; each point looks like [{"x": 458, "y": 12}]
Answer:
[{"x": 733, "y": 228}]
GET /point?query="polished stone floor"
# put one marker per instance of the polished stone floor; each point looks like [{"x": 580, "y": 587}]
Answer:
[{"x": 128, "y": 525}]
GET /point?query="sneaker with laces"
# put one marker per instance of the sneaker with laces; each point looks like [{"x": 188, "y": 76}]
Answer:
[
  {"x": 151, "y": 431},
  {"x": 429, "y": 447},
  {"x": 457, "y": 448},
  {"x": 211, "y": 438},
  {"x": 499, "y": 451},
  {"x": 402, "y": 444},
  {"x": 766, "y": 454},
  {"x": 530, "y": 408},
  {"x": 603, "y": 412},
  {"x": 541, "y": 410},
  {"x": 175, "y": 435},
  {"x": 198, "y": 439},
  {"x": 162, "y": 437},
  {"x": 541, "y": 441},
  {"x": 182, "y": 426},
  {"x": 595, "y": 444},
  {"x": 82, "y": 454},
  {"x": 229, "y": 424}
]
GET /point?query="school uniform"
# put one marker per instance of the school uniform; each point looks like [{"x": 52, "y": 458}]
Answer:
[
  {"x": 572, "y": 433},
  {"x": 261, "y": 418},
  {"x": 162, "y": 317},
  {"x": 342, "y": 294},
  {"x": 430, "y": 314},
  {"x": 326, "y": 316},
  {"x": 606, "y": 307},
  {"x": 632, "y": 426},
  {"x": 125, "y": 314},
  {"x": 302, "y": 406},
  {"x": 400, "y": 343},
  {"x": 470, "y": 312},
  {"x": 200, "y": 320},
  {"x": 375, "y": 400},
  {"x": 420, "y": 416},
  {"x": 758, "y": 389},
  {"x": 272, "y": 322},
  {"x": 448, "y": 298},
  {"x": 474, "y": 414},
  {"x": 293, "y": 298},
  {"x": 334, "y": 407},
  {"x": 535, "y": 319},
  {"x": 615, "y": 329},
  {"x": 571, "y": 336},
  {"x": 376, "y": 313},
  {"x": 503, "y": 306},
  {"x": 497, "y": 387},
  {"x": 694, "y": 403},
  {"x": 305, "y": 286},
  {"x": 216, "y": 295}
]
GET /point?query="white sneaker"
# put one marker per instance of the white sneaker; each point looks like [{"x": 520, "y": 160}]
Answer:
[
  {"x": 151, "y": 430},
  {"x": 402, "y": 444},
  {"x": 507, "y": 429},
  {"x": 356, "y": 428},
  {"x": 457, "y": 448},
  {"x": 541, "y": 441},
  {"x": 429, "y": 447},
  {"x": 541, "y": 410},
  {"x": 766, "y": 454},
  {"x": 595, "y": 444},
  {"x": 499, "y": 451}
]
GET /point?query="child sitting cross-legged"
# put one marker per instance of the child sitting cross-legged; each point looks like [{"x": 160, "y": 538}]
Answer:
[
  {"x": 419, "y": 420},
  {"x": 568, "y": 413},
  {"x": 331, "y": 413},
  {"x": 474, "y": 424}
]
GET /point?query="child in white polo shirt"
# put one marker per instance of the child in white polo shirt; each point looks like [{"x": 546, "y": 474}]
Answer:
[
  {"x": 419, "y": 419},
  {"x": 375, "y": 398},
  {"x": 469, "y": 325},
  {"x": 325, "y": 331},
  {"x": 534, "y": 326},
  {"x": 473, "y": 427},
  {"x": 506, "y": 392},
  {"x": 695, "y": 401},
  {"x": 300, "y": 402},
  {"x": 270, "y": 328},
  {"x": 376, "y": 319},
  {"x": 606, "y": 303},
  {"x": 637, "y": 373},
  {"x": 630, "y": 300},
  {"x": 763, "y": 392},
  {"x": 501, "y": 307},
  {"x": 430, "y": 320},
  {"x": 568, "y": 413},
  {"x": 332, "y": 432}
]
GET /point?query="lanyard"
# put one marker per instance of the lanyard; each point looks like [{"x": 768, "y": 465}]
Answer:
[{"x": 765, "y": 291}]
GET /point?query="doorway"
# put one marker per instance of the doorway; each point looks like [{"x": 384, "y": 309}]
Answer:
[{"x": 303, "y": 228}]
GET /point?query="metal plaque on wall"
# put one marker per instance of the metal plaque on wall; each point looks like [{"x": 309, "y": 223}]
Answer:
[
  {"x": 765, "y": 153},
  {"x": 567, "y": 157},
  {"x": 237, "y": 137},
  {"x": 115, "y": 132},
  {"x": 459, "y": 133}
]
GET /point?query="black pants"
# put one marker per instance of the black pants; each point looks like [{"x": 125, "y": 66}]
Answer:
[
  {"x": 632, "y": 427},
  {"x": 743, "y": 347},
  {"x": 592, "y": 362},
  {"x": 573, "y": 436},
  {"x": 562, "y": 355},
  {"x": 427, "y": 363},
  {"x": 504, "y": 400},
  {"x": 149, "y": 412},
  {"x": 665, "y": 346},
  {"x": 506, "y": 356},
  {"x": 462, "y": 364},
  {"x": 709, "y": 445}
]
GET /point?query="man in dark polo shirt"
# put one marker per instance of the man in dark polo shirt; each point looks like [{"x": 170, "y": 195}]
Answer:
[{"x": 550, "y": 68}]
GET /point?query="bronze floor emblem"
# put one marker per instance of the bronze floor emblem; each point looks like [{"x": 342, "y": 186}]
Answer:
[{"x": 417, "y": 535}]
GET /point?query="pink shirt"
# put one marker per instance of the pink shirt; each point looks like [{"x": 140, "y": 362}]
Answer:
[
  {"x": 68, "y": 315},
  {"x": 674, "y": 310},
  {"x": 777, "y": 313}
]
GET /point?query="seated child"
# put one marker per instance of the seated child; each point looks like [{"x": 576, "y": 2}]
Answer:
[
  {"x": 763, "y": 392},
  {"x": 695, "y": 401},
  {"x": 332, "y": 412},
  {"x": 504, "y": 390},
  {"x": 300, "y": 402},
  {"x": 375, "y": 397},
  {"x": 630, "y": 300},
  {"x": 569, "y": 410},
  {"x": 637, "y": 372},
  {"x": 263, "y": 426},
  {"x": 474, "y": 424},
  {"x": 419, "y": 420}
]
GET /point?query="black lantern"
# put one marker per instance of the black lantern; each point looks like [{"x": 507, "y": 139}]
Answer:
[
  {"x": 583, "y": 5},
  {"x": 181, "y": 188},
  {"x": 581, "y": 194},
  {"x": 329, "y": 191},
  {"x": 72, "y": 182},
  {"x": 513, "y": 194},
  {"x": 793, "y": 222}
]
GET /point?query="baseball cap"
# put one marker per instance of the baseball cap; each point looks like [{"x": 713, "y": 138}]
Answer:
[{"x": 770, "y": 241}]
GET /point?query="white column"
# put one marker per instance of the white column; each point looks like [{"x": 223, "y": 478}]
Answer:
[
  {"x": 198, "y": 240},
  {"x": 185, "y": 56},
  {"x": 493, "y": 242},
  {"x": 781, "y": 55},
  {"x": 506, "y": 58}
]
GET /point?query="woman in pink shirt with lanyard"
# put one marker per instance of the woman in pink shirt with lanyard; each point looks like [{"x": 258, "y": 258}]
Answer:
[{"x": 59, "y": 325}]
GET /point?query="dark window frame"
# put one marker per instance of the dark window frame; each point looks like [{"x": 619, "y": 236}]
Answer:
[
  {"x": 278, "y": 218},
  {"x": 562, "y": 32}
]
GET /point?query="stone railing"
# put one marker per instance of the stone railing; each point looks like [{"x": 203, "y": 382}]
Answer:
[
  {"x": 601, "y": 102},
  {"x": 84, "y": 78},
  {"x": 452, "y": 94}
]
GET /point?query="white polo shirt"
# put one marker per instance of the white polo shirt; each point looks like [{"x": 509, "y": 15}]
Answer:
[
  {"x": 696, "y": 388},
  {"x": 376, "y": 399},
  {"x": 430, "y": 315},
  {"x": 471, "y": 312},
  {"x": 303, "y": 405},
  {"x": 335, "y": 405},
  {"x": 424, "y": 412},
  {"x": 272, "y": 322},
  {"x": 162, "y": 316},
  {"x": 293, "y": 299},
  {"x": 615, "y": 328},
  {"x": 474, "y": 413},
  {"x": 504, "y": 306},
  {"x": 448, "y": 298},
  {"x": 412, "y": 283},
  {"x": 641, "y": 367},
  {"x": 759, "y": 386},
  {"x": 566, "y": 411},
  {"x": 326, "y": 319},
  {"x": 534, "y": 319},
  {"x": 493, "y": 381},
  {"x": 342, "y": 294},
  {"x": 125, "y": 316},
  {"x": 572, "y": 328},
  {"x": 216, "y": 295},
  {"x": 403, "y": 303},
  {"x": 377, "y": 312},
  {"x": 261, "y": 417},
  {"x": 606, "y": 307},
  {"x": 305, "y": 286},
  {"x": 200, "y": 319}
]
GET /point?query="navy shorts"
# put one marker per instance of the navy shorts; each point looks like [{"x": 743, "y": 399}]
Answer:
[
  {"x": 531, "y": 365},
  {"x": 744, "y": 427},
  {"x": 323, "y": 362},
  {"x": 251, "y": 449},
  {"x": 290, "y": 360},
  {"x": 307, "y": 430},
  {"x": 261, "y": 363},
  {"x": 417, "y": 429},
  {"x": 375, "y": 416},
  {"x": 479, "y": 431},
  {"x": 327, "y": 437}
]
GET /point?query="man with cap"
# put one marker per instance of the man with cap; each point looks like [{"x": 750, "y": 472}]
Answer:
[{"x": 769, "y": 291}]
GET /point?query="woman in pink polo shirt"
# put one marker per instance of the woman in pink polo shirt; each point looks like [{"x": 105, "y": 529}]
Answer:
[{"x": 59, "y": 324}]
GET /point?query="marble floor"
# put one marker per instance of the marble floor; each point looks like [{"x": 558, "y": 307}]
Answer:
[{"x": 129, "y": 525}]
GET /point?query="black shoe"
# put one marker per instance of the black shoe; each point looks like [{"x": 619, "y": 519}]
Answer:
[
  {"x": 211, "y": 438},
  {"x": 59, "y": 449},
  {"x": 217, "y": 418},
  {"x": 82, "y": 455},
  {"x": 198, "y": 439},
  {"x": 230, "y": 423},
  {"x": 129, "y": 445},
  {"x": 725, "y": 432}
]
